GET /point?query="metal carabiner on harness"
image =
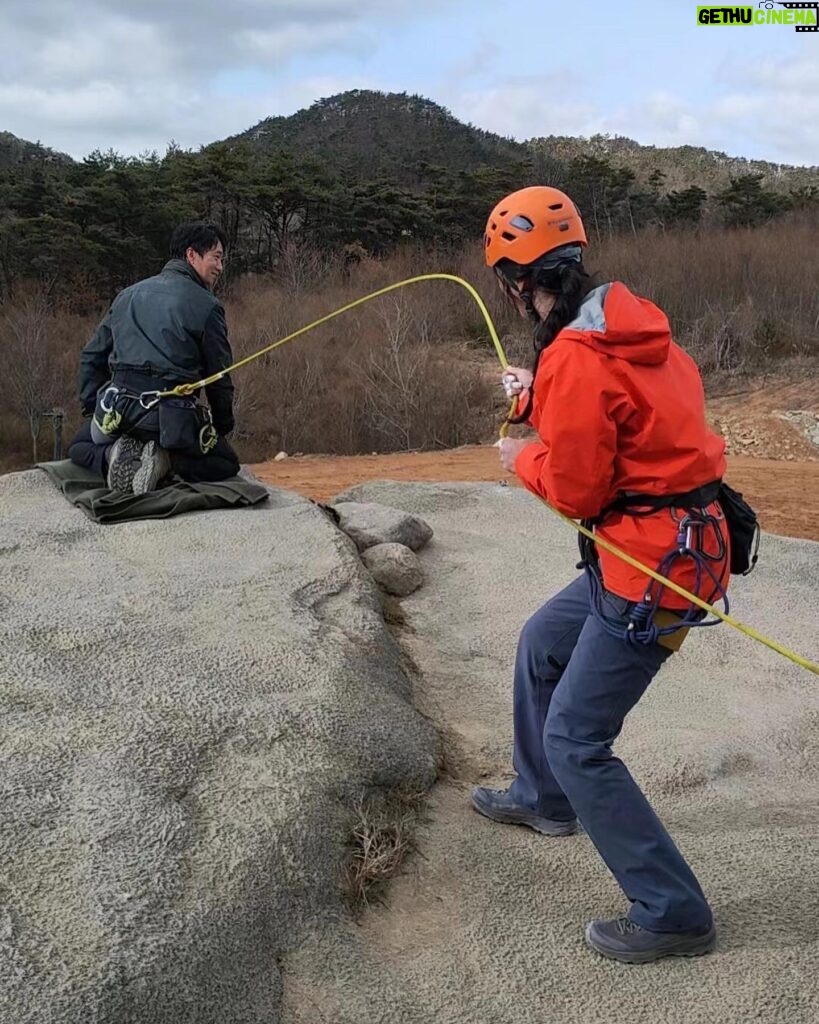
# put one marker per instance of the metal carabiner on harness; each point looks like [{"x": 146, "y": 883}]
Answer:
[
  {"x": 112, "y": 389},
  {"x": 690, "y": 525},
  {"x": 153, "y": 398}
]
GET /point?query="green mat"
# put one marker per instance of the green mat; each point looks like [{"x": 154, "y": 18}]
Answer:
[{"x": 88, "y": 492}]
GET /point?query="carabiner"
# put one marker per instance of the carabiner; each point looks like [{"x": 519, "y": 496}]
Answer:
[
  {"x": 111, "y": 389},
  {"x": 153, "y": 399}
]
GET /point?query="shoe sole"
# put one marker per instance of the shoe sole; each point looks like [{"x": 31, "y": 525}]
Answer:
[
  {"x": 542, "y": 825},
  {"x": 121, "y": 472},
  {"x": 699, "y": 946},
  {"x": 155, "y": 465}
]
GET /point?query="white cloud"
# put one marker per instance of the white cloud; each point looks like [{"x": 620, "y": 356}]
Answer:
[
  {"x": 777, "y": 76},
  {"x": 100, "y": 115},
  {"x": 476, "y": 63},
  {"x": 765, "y": 110},
  {"x": 116, "y": 50},
  {"x": 771, "y": 108},
  {"x": 134, "y": 75},
  {"x": 523, "y": 107},
  {"x": 281, "y": 44},
  {"x": 661, "y": 119}
]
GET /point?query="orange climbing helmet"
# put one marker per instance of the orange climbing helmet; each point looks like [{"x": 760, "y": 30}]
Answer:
[{"x": 529, "y": 223}]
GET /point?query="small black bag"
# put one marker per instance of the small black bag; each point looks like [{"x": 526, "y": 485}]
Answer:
[
  {"x": 178, "y": 424},
  {"x": 743, "y": 529}
]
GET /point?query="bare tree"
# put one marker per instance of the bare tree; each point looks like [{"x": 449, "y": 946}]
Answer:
[
  {"x": 29, "y": 370},
  {"x": 293, "y": 380},
  {"x": 396, "y": 377},
  {"x": 301, "y": 267}
]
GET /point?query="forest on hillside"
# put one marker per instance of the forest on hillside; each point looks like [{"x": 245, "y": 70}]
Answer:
[
  {"x": 734, "y": 265},
  {"x": 87, "y": 229}
]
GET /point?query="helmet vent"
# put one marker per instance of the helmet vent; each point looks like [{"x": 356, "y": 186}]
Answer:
[
  {"x": 556, "y": 206},
  {"x": 521, "y": 223},
  {"x": 508, "y": 236}
]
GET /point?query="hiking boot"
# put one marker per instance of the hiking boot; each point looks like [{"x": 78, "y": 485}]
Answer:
[
  {"x": 123, "y": 463},
  {"x": 156, "y": 464},
  {"x": 622, "y": 939},
  {"x": 498, "y": 805}
]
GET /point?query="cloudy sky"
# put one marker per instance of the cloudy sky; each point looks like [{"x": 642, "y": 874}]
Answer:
[{"x": 133, "y": 74}]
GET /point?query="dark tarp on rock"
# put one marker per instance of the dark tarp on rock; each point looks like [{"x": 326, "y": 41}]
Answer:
[{"x": 89, "y": 492}]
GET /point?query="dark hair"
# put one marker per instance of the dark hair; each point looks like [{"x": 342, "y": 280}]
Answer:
[
  {"x": 571, "y": 283},
  {"x": 195, "y": 235}
]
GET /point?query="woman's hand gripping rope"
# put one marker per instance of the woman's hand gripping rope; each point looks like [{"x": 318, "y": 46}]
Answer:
[{"x": 516, "y": 381}]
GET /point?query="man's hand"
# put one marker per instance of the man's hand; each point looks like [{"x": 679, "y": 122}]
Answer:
[
  {"x": 515, "y": 381},
  {"x": 510, "y": 448}
]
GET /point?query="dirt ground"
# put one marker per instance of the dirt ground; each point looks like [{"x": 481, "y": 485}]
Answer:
[
  {"x": 771, "y": 429},
  {"x": 785, "y": 494},
  {"x": 771, "y": 419}
]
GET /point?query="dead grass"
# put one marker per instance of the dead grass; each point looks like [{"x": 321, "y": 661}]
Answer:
[
  {"x": 382, "y": 838},
  {"x": 383, "y": 834},
  {"x": 409, "y": 371}
]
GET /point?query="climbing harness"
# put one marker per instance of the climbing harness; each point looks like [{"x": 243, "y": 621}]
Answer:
[
  {"x": 182, "y": 423},
  {"x": 646, "y": 625},
  {"x": 687, "y": 531},
  {"x": 649, "y": 622}
]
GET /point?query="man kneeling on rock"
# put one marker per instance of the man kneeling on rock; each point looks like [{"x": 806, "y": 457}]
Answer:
[{"x": 166, "y": 330}]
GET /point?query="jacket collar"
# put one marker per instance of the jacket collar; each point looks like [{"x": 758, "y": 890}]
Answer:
[{"x": 183, "y": 267}]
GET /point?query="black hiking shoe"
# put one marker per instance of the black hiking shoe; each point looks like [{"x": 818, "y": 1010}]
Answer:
[
  {"x": 155, "y": 465},
  {"x": 123, "y": 463},
  {"x": 621, "y": 939},
  {"x": 499, "y": 806}
]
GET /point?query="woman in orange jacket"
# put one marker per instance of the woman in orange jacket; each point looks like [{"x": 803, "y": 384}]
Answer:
[{"x": 622, "y": 443}]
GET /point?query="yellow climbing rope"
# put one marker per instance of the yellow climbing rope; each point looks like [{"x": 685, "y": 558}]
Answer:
[{"x": 187, "y": 389}]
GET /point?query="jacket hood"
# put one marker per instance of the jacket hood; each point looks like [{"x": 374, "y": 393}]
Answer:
[{"x": 618, "y": 323}]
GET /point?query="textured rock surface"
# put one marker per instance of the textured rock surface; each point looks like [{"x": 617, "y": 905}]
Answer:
[
  {"x": 371, "y": 523},
  {"x": 189, "y": 708},
  {"x": 394, "y": 567},
  {"x": 189, "y": 711},
  {"x": 487, "y": 923}
]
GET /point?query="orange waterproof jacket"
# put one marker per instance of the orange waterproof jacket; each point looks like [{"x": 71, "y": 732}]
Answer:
[{"x": 619, "y": 407}]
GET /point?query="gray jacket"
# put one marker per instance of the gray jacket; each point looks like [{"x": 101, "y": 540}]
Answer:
[{"x": 170, "y": 328}]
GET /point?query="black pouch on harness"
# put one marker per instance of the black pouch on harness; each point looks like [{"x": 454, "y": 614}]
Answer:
[
  {"x": 743, "y": 529},
  {"x": 178, "y": 424}
]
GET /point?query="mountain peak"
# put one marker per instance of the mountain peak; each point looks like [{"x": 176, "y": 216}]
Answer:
[{"x": 382, "y": 135}]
